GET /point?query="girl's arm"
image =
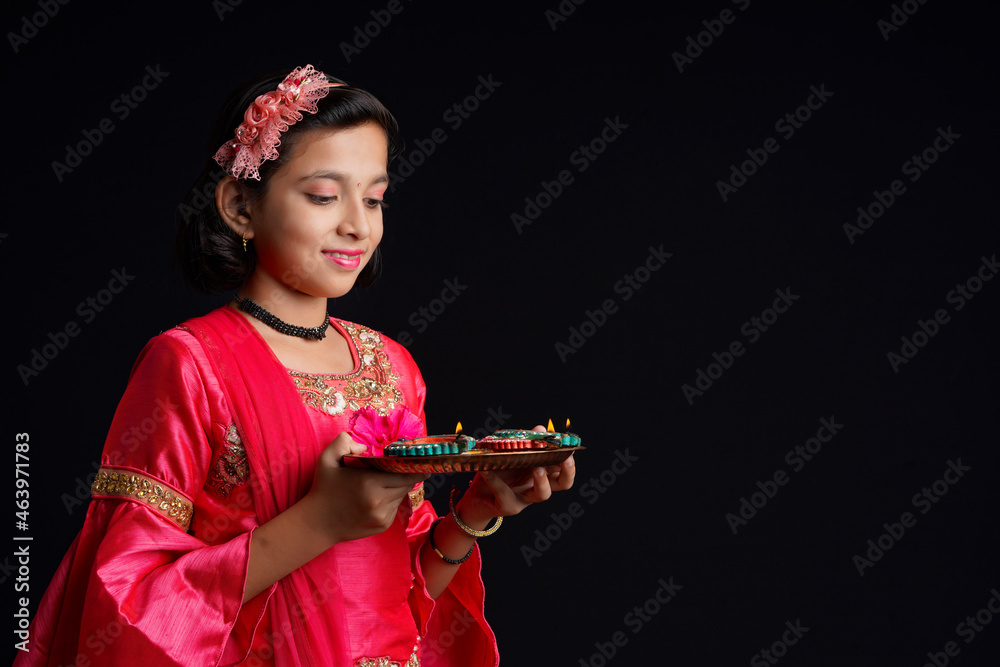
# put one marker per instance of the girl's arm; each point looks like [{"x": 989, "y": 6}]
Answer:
[
  {"x": 343, "y": 504},
  {"x": 492, "y": 494}
]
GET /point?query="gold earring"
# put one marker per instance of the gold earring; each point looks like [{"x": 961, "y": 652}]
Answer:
[{"x": 244, "y": 242}]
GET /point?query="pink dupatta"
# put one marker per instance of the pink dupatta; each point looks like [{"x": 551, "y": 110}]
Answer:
[{"x": 306, "y": 612}]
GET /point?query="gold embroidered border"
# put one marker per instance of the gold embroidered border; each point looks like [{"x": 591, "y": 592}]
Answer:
[
  {"x": 373, "y": 384},
  {"x": 414, "y": 661},
  {"x": 416, "y": 497},
  {"x": 120, "y": 483},
  {"x": 230, "y": 467}
]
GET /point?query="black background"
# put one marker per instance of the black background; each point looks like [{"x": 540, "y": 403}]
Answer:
[{"x": 495, "y": 347}]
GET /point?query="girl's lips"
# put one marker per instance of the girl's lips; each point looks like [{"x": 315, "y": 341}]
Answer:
[{"x": 349, "y": 259}]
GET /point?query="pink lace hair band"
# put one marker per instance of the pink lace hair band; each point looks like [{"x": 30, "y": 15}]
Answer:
[{"x": 259, "y": 135}]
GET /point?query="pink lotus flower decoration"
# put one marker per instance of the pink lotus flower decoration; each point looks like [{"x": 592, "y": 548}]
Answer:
[{"x": 374, "y": 431}]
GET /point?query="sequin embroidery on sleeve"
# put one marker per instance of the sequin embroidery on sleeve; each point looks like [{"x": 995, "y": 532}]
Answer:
[
  {"x": 113, "y": 482},
  {"x": 230, "y": 467}
]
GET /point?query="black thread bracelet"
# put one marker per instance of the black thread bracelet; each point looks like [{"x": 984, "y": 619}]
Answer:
[{"x": 430, "y": 538}]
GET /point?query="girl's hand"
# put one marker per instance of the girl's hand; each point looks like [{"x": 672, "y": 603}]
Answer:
[
  {"x": 507, "y": 492},
  {"x": 352, "y": 503},
  {"x": 343, "y": 504}
]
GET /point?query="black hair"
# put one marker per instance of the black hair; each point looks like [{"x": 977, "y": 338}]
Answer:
[{"x": 210, "y": 254}]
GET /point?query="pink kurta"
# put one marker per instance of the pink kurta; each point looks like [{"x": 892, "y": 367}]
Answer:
[{"x": 212, "y": 438}]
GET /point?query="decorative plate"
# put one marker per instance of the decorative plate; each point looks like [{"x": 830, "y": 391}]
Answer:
[{"x": 467, "y": 462}]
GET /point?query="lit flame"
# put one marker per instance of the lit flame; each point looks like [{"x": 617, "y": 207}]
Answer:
[
  {"x": 567, "y": 423},
  {"x": 551, "y": 428},
  {"x": 458, "y": 428}
]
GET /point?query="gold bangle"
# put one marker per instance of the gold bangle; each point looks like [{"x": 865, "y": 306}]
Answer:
[{"x": 461, "y": 524}]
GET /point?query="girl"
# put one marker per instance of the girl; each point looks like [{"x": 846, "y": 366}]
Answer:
[{"x": 225, "y": 528}]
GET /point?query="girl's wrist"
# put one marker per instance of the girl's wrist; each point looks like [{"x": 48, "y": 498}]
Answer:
[
  {"x": 310, "y": 514},
  {"x": 475, "y": 513}
]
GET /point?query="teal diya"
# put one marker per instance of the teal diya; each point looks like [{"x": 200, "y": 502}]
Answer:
[{"x": 431, "y": 445}]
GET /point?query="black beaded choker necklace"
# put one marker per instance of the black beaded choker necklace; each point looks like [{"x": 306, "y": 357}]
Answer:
[{"x": 251, "y": 308}]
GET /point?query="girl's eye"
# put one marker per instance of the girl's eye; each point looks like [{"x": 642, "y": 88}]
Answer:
[
  {"x": 376, "y": 203},
  {"x": 320, "y": 199}
]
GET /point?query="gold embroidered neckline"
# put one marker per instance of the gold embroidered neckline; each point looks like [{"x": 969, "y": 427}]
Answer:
[{"x": 372, "y": 383}]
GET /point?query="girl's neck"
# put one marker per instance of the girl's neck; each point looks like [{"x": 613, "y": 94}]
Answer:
[{"x": 297, "y": 308}]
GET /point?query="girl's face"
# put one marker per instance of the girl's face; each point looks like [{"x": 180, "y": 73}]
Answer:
[{"x": 321, "y": 219}]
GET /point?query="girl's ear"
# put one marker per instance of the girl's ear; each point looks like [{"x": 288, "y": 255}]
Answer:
[{"x": 232, "y": 206}]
